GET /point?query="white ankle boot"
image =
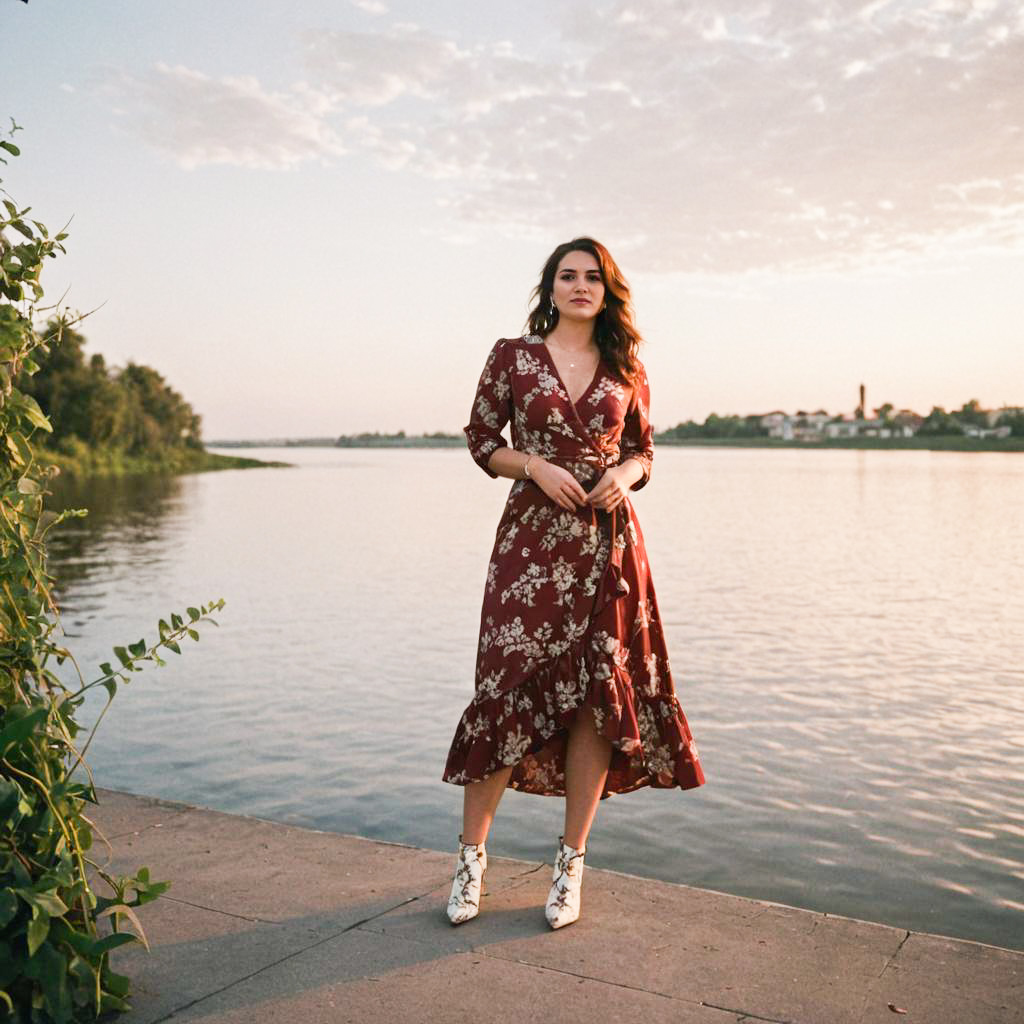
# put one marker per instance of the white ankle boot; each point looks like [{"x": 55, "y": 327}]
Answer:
[
  {"x": 563, "y": 906},
  {"x": 464, "y": 902}
]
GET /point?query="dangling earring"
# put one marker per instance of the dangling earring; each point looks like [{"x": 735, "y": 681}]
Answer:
[{"x": 551, "y": 300}]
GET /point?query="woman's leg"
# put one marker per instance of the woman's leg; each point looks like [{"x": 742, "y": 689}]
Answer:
[
  {"x": 586, "y": 767},
  {"x": 479, "y": 802}
]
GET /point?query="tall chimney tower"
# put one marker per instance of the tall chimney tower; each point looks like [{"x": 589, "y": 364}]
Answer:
[{"x": 862, "y": 408}]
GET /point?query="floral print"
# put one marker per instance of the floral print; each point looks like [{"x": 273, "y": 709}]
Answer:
[
  {"x": 570, "y": 621},
  {"x": 464, "y": 899},
  {"x": 565, "y": 895}
]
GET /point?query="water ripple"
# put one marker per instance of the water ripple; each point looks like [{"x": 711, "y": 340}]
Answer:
[{"x": 846, "y": 629}]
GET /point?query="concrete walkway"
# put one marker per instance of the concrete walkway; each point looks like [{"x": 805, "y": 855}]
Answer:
[{"x": 272, "y": 923}]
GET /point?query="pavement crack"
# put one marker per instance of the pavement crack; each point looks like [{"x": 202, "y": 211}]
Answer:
[
  {"x": 747, "y": 1014},
  {"x": 744, "y": 1014},
  {"x": 586, "y": 977},
  {"x": 290, "y": 956},
  {"x": 217, "y": 910},
  {"x": 896, "y": 952},
  {"x": 533, "y": 871},
  {"x": 510, "y": 885}
]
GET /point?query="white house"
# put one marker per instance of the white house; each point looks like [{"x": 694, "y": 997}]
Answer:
[
  {"x": 975, "y": 431},
  {"x": 809, "y": 426},
  {"x": 994, "y": 414},
  {"x": 778, "y": 424},
  {"x": 842, "y": 428}
]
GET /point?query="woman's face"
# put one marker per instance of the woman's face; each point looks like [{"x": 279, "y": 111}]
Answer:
[{"x": 578, "y": 290}]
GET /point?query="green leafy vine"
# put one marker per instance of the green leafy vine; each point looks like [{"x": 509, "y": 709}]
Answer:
[{"x": 56, "y": 930}]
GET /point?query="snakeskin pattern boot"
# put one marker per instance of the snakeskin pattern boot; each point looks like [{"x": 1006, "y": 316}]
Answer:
[
  {"x": 563, "y": 906},
  {"x": 464, "y": 901}
]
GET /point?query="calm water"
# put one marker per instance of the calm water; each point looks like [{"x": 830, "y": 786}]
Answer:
[{"x": 846, "y": 629}]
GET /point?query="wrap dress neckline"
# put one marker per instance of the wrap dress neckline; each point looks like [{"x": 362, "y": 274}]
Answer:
[{"x": 586, "y": 391}]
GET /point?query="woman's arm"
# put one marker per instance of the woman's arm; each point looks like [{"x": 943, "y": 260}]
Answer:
[
  {"x": 557, "y": 483},
  {"x": 511, "y": 463},
  {"x": 637, "y": 443},
  {"x": 492, "y": 408}
]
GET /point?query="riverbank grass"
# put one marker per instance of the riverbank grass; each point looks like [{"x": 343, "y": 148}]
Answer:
[{"x": 76, "y": 459}]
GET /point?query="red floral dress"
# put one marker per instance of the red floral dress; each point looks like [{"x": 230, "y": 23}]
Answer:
[{"x": 569, "y": 616}]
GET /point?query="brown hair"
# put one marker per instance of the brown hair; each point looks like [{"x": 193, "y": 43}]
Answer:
[{"x": 617, "y": 338}]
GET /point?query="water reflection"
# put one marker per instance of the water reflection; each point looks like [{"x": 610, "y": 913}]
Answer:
[{"x": 126, "y": 526}]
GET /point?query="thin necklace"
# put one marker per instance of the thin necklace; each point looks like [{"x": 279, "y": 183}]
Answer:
[{"x": 572, "y": 366}]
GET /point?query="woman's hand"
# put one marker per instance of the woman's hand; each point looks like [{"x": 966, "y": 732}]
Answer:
[
  {"x": 614, "y": 485},
  {"x": 558, "y": 484}
]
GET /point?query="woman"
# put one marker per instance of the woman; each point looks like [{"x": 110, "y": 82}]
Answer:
[{"x": 573, "y": 691}]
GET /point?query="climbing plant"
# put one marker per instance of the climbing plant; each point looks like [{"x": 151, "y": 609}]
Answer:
[{"x": 57, "y": 929}]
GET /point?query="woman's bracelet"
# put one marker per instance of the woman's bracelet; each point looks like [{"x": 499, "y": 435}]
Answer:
[{"x": 526, "y": 467}]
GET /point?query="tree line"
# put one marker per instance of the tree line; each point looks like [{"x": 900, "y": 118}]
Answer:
[
  {"x": 130, "y": 408},
  {"x": 939, "y": 422}
]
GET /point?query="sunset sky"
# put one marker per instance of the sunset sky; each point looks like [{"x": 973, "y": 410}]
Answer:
[{"x": 317, "y": 218}]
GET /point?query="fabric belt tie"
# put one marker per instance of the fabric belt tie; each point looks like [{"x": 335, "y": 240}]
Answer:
[{"x": 614, "y": 585}]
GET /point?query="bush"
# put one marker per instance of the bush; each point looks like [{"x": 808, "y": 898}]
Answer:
[{"x": 54, "y": 959}]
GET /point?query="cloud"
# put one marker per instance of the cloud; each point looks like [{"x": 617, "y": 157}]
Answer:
[
  {"x": 721, "y": 138},
  {"x": 197, "y": 119}
]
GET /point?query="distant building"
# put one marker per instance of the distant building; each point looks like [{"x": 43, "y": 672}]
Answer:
[
  {"x": 904, "y": 424},
  {"x": 815, "y": 426},
  {"x": 843, "y": 427},
  {"x": 972, "y": 430},
  {"x": 778, "y": 424},
  {"x": 994, "y": 414},
  {"x": 808, "y": 426},
  {"x": 908, "y": 421},
  {"x": 857, "y": 427}
]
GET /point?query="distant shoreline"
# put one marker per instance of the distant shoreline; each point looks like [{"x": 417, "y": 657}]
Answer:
[
  {"x": 945, "y": 443},
  {"x": 932, "y": 444},
  {"x": 83, "y": 462}
]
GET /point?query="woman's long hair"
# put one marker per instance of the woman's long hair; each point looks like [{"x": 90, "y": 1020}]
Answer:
[{"x": 617, "y": 338}]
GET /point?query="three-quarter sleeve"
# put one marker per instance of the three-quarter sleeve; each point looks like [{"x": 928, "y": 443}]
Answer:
[
  {"x": 492, "y": 408},
  {"x": 637, "y": 435}
]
